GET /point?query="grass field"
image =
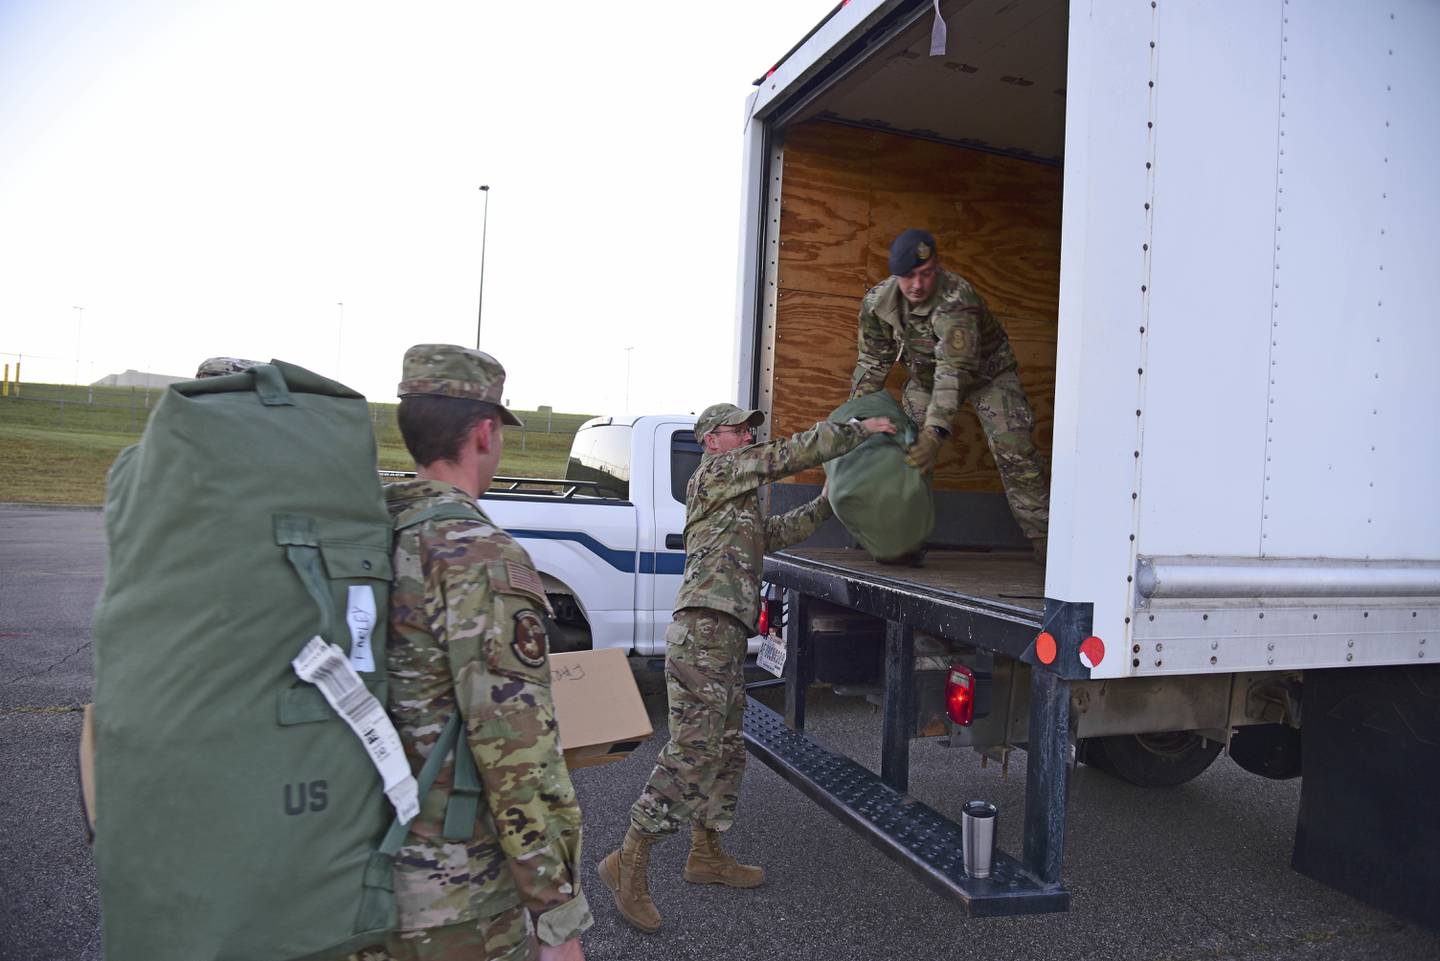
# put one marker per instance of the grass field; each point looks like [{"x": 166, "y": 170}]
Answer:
[{"x": 57, "y": 442}]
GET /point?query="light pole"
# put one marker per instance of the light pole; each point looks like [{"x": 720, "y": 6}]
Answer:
[
  {"x": 79, "y": 321},
  {"x": 339, "y": 337},
  {"x": 484, "y": 229}
]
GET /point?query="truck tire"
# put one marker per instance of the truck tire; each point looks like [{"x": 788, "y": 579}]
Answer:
[{"x": 1150, "y": 760}]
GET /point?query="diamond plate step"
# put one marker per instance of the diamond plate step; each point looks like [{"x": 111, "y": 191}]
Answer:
[{"x": 913, "y": 834}]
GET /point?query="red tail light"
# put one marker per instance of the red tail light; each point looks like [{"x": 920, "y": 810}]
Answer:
[
  {"x": 960, "y": 695},
  {"x": 765, "y": 618}
]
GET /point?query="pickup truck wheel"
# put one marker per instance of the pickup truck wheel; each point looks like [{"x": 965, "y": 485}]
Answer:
[
  {"x": 568, "y": 630},
  {"x": 1151, "y": 760}
]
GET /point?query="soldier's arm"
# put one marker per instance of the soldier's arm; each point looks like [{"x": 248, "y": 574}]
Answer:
[
  {"x": 957, "y": 358},
  {"x": 876, "y": 353},
  {"x": 732, "y": 474},
  {"x": 510, "y": 727},
  {"x": 795, "y": 525}
]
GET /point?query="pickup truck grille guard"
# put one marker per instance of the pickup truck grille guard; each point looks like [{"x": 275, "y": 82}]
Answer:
[{"x": 911, "y": 833}]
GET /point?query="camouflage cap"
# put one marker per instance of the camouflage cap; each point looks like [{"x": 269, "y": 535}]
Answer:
[
  {"x": 725, "y": 415},
  {"x": 911, "y": 249},
  {"x": 445, "y": 370},
  {"x": 220, "y": 366}
]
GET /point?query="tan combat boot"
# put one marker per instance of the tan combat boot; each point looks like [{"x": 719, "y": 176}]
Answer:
[
  {"x": 624, "y": 873},
  {"x": 709, "y": 864}
]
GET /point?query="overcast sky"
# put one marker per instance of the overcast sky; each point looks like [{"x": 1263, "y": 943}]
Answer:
[{"x": 215, "y": 178}]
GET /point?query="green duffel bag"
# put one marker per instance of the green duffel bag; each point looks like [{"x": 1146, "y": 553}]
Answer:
[
  {"x": 883, "y": 502},
  {"x": 238, "y": 815}
]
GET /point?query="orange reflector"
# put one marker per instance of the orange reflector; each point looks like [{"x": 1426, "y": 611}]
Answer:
[
  {"x": 1092, "y": 651},
  {"x": 1045, "y": 648}
]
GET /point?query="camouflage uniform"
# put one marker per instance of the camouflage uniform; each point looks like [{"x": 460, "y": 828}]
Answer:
[
  {"x": 697, "y": 776},
  {"x": 467, "y": 632},
  {"x": 467, "y": 635},
  {"x": 955, "y": 351},
  {"x": 220, "y": 366}
]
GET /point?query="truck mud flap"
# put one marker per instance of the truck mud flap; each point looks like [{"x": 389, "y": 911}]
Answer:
[
  {"x": 914, "y": 835},
  {"x": 1369, "y": 822}
]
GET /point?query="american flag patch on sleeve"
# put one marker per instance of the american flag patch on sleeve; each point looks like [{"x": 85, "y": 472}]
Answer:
[{"x": 524, "y": 578}]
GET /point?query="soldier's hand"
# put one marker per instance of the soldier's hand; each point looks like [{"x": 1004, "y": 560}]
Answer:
[
  {"x": 922, "y": 454},
  {"x": 569, "y": 951},
  {"x": 878, "y": 425}
]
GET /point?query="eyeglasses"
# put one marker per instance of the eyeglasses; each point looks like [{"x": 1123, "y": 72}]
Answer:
[{"x": 744, "y": 429}]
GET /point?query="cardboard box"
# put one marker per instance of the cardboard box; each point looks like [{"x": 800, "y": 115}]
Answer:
[{"x": 601, "y": 715}]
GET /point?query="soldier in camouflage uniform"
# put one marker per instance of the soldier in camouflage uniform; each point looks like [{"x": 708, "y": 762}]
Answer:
[
  {"x": 697, "y": 776},
  {"x": 467, "y": 633},
  {"x": 935, "y": 323},
  {"x": 220, "y": 366}
]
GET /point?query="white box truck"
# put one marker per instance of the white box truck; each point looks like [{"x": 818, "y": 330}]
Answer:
[{"x": 1211, "y": 230}]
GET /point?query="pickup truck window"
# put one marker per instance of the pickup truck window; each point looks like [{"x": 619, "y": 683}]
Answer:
[
  {"x": 684, "y": 458},
  {"x": 602, "y": 454}
]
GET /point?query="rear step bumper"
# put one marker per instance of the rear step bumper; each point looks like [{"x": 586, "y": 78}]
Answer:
[{"x": 912, "y": 834}]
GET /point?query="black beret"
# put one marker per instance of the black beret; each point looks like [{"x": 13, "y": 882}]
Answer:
[{"x": 911, "y": 249}]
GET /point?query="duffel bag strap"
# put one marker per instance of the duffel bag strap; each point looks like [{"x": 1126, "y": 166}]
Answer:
[
  {"x": 464, "y": 803},
  {"x": 270, "y": 386},
  {"x": 301, "y": 539},
  {"x": 441, "y": 512},
  {"x": 377, "y": 901}
]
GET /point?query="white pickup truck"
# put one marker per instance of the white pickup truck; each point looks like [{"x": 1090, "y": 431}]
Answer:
[{"x": 608, "y": 537}]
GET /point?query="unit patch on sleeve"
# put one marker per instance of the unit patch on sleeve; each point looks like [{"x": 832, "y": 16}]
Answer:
[{"x": 529, "y": 641}]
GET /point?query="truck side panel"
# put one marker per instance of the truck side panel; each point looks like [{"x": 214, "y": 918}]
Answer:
[
  {"x": 1355, "y": 341},
  {"x": 1204, "y": 393}
]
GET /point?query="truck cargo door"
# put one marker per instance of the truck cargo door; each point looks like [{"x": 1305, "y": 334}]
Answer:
[{"x": 662, "y": 545}]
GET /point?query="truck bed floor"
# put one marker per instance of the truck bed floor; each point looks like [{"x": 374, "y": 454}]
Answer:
[{"x": 1005, "y": 578}]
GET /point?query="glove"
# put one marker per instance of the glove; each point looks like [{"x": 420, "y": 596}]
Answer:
[{"x": 922, "y": 454}]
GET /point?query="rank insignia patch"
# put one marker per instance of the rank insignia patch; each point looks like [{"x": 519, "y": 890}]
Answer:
[
  {"x": 529, "y": 641},
  {"x": 922, "y": 251}
]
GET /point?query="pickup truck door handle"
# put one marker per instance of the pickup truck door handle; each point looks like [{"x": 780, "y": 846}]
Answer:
[{"x": 674, "y": 542}]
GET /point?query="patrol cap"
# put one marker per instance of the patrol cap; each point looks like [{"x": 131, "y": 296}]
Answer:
[
  {"x": 911, "y": 249},
  {"x": 446, "y": 370},
  {"x": 725, "y": 415},
  {"x": 220, "y": 366}
]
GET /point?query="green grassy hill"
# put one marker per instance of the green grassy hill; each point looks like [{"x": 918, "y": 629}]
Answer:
[{"x": 57, "y": 441}]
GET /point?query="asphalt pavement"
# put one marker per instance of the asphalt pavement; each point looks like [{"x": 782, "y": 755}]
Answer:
[{"x": 1196, "y": 872}]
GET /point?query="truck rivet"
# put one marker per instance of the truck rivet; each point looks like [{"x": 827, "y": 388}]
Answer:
[
  {"x": 1136, "y": 648},
  {"x": 1159, "y": 647},
  {"x": 1349, "y": 657},
  {"x": 1350, "y": 643},
  {"x": 1422, "y": 653},
  {"x": 1270, "y": 646},
  {"x": 1214, "y": 645},
  {"x": 1157, "y": 662},
  {"x": 1213, "y": 659},
  {"x": 1152, "y": 617},
  {"x": 1270, "y": 660}
]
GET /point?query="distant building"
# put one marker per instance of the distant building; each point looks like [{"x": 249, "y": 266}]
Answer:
[{"x": 137, "y": 378}]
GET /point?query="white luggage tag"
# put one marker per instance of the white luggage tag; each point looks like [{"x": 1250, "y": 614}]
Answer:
[{"x": 327, "y": 667}]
